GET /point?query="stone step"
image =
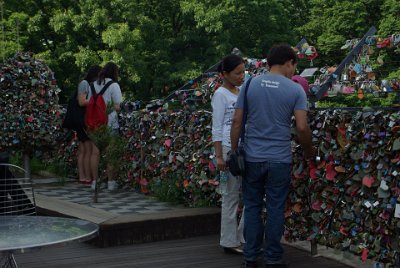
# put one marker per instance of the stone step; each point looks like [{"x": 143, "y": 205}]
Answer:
[{"x": 116, "y": 229}]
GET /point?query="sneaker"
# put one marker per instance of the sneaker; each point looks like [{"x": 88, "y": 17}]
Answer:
[
  {"x": 260, "y": 253},
  {"x": 112, "y": 185},
  {"x": 93, "y": 186}
]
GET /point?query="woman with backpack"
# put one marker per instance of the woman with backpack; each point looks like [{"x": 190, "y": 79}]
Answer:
[
  {"x": 85, "y": 145},
  {"x": 106, "y": 85}
]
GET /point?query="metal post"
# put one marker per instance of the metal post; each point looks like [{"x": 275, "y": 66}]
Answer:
[
  {"x": 27, "y": 165},
  {"x": 314, "y": 247},
  {"x": 214, "y": 69},
  {"x": 188, "y": 85}
]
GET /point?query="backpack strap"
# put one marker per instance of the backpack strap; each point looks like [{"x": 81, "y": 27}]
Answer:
[
  {"x": 94, "y": 94},
  {"x": 105, "y": 87}
]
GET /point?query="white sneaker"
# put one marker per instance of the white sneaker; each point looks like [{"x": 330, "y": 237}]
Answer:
[
  {"x": 93, "y": 186},
  {"x": 112, "y": 185}
]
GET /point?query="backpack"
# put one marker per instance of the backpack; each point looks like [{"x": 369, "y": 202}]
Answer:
[
  {"x": 96, "y": 110},
  {"x": 75, "y": 116}
]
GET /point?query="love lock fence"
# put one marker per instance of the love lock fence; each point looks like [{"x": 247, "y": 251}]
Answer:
[{"x": 349, "y": 199}]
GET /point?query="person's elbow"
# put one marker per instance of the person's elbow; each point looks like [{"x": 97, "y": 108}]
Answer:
[
  {"x": 236, "y": 122},
  {"x": 117, "y": 107},
  {"x": 82, "y": 103},
  {"x": 301, "y": 121},
  {"x": 302, "y": 128},
  {"x": 82, "y": 100},
  {"x": 216, "y": 136}
]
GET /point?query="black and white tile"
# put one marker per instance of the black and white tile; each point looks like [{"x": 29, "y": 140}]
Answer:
[{"x": 119, "y": 201}]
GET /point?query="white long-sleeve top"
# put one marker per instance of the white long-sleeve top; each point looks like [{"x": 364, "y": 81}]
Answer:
[{"x": 223, "y": 105}]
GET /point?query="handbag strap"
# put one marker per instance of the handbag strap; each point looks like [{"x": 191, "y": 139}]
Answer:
[{"x": 245, "y": 110}]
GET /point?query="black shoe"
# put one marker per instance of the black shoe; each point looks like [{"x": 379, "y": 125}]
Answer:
[
  {"x": 277, "y": 265},
  {"x": 260, "y": 252},
  {"x": 237, "y": 251},
  {"x": 249, "y": 264}
]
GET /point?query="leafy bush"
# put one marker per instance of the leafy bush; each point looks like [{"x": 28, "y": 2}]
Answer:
[
  {"x": 166, "y": 190},
  {"x": 112, "y": 148},
  {"x": 352, "y": 100}
]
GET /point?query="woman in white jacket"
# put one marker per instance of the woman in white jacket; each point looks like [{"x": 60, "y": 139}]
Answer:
[{"x": 232, "y": 70}]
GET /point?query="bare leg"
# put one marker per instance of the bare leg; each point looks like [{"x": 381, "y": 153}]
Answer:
[
  {"x": 94, "y": 168},
  {"x": 86, "y": 160},
  {"x": 94, "y": 162},
  {"x": 110, "y": 172},
  {"x": 80, "y": 162}
]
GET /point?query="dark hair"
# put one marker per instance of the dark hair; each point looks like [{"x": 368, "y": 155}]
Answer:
[
  {"x": 92, "y": 73},
  {"x": 110, "y": 70},
  {"x": 229, "y": 63},
  {"x": 279, "y": 54}
]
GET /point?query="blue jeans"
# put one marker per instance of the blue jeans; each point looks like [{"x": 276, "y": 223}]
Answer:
[{"x": 271, "y": 180}]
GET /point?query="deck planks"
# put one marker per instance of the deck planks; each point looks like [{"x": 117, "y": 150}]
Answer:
[{"x": 195, "y": 252}]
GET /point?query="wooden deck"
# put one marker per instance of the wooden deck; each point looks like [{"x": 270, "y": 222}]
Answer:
[{"x": 202, "y": 251}]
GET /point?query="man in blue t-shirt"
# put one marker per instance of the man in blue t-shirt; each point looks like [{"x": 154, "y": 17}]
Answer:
[{"x": 272, "y": 100}]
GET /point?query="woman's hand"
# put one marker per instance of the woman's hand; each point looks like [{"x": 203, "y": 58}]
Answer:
[{"x": 220, "y": 163}]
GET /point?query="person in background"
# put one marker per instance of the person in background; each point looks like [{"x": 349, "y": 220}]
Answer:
[
  {"x": 85, "y": 145},
  {"x": 302, "y": 81},
  {"x": 272, "y": 98},
  {"x": 112, "y": 97},
  {"x": 223, "y": 102}
]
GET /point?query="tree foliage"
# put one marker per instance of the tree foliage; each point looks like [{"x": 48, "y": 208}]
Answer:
[
  {"x": 160, "y": 44},
  {"x": 331, "y": 23}
]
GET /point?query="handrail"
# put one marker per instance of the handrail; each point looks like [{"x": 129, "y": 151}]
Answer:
[{"x": 12, "y": 165}]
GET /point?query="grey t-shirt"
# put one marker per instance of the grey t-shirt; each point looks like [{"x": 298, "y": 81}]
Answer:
[
  {"x": 83, "y": 87},
  {"x": 113, "y": 95},
  {"x": 271, "y": 101}
]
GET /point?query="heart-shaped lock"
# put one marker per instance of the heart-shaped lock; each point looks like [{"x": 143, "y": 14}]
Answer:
[
  {"x": 368, "y": 180},
  {"x": 383, "y": 185}
]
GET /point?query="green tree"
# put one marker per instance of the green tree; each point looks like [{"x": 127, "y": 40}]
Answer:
[
  {"x": 298, "y": 15},
  {"x": 388, "y": 25},
  {"x": 331, "y": 23},
  {"x": 252, "y": 26},
  {"x": 155, "y": 43}
]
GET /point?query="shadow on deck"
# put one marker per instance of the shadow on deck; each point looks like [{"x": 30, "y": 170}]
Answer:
[{"x": 202, "y": 251}]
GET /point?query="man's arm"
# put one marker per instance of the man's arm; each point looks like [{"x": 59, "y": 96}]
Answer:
[
  {"x": 236, "y": 128},
  {"x": 304, "y": 133}
]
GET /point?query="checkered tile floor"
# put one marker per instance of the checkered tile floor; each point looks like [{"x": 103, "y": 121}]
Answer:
[{"x": 119, "y": 201}]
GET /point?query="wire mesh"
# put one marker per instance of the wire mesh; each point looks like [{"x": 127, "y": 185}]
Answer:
[{"x": 16, "y": 191}]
